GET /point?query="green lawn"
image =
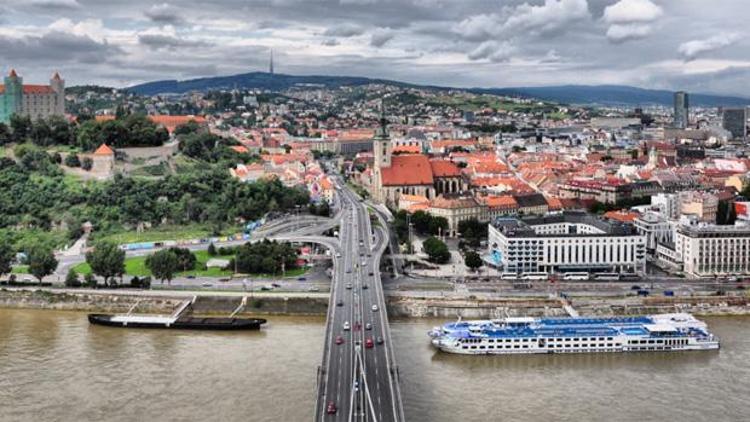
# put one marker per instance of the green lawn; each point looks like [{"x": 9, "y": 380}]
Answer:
[
  {"x": 162, "y": 233},
  {"x": 136, "y": 266},
  {"x": 20, "y": 269}
]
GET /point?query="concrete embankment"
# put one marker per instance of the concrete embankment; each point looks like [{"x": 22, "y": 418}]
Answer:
[
  {"x": 414, "y": 307},
  {"x": 161, "y": 303}
]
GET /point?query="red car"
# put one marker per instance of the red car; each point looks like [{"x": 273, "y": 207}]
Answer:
[
  {"x": 331, "y": 408},
  {"x": 369, "y": 343},
  {"x": 357, "y": 326},
  {"x": 339, "y": 340}
]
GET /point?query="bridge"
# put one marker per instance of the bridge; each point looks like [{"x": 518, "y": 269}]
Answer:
[{"x": 358, "y": 377}]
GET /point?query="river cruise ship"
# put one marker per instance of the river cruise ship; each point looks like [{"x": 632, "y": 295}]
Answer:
[{"x": 652, "y": 333}]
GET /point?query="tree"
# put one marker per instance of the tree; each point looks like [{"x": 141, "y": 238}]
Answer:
[
  {"x": 72, "y": 160},
  {"x": 473, "y": 260},
  {"x": 163, "y": 265},
  {"x": 211, "y": 249},
  {"x": 20, "y": 127},
  {"x": 6, "y": 258},
  {"x": 87, "y": 164},
  {"x": 185, "y": 258},
  {"x": 436, "y": 250},
  {"x": 107, "y": 260},
  {"x": 5, "y": 135},
  {"x": 42, "y": 261},
  {"x": 71, "y": 279}
]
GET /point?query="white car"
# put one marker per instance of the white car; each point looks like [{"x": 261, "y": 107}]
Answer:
[
  {"x": 374, "y": 308},
  {"x": 347, "y": 326}
]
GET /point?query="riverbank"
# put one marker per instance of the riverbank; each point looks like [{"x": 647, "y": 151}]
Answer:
[{"x": 316, "y": 304}]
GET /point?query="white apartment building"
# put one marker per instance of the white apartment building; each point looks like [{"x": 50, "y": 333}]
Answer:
[
  {"x": 656, "y": 227},
  {"x": 708, "y": 250},
  {"x": 667, "y": 204},
  {"x": 566, "y": 242}
]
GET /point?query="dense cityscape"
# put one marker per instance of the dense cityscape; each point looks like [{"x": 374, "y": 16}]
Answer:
[{"x": 402, "y": 223}]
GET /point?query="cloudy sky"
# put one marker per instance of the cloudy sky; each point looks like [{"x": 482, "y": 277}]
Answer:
[{"x": 697, "y": 45}]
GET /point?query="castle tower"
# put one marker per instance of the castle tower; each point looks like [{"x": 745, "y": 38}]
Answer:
[
  {"x": 58, "y": 85},
  {"x": 12, "y": 100}
]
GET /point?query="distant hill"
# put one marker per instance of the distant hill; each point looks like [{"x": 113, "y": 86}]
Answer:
[
  {"x": 255, "y": 80},
  {"x": 568, "y": 94},
  {"x": 613, "y": 95}
]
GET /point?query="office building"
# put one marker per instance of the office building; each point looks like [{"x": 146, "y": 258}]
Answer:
[
  {"x": 681, "y": 110},
  {"x": 566, "y": 242},
  {"x": 734, "y": 120}
]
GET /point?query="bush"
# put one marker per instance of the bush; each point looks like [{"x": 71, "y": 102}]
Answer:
[
  {"x": 87, "y": 164},
  {"x": 135, "y": 282},
  {"x": 71, "y": 279},
  {"x": 146, "y": 282},
  {"x": 90, "y": 280},
  {"x": 72, "y": 160}
]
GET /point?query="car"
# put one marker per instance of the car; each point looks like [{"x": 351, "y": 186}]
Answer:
[
  {"x": 364, "y": 287},
  {"x": 369, "y": 255},
  {"x": 302, "y": 279},
  {"x": 331, "y": 408},
  {"x": 348, "y": 286},
  {"x": 206, "y": 284},
  {"x": 340, "y": 303},
  {"x": 379, "y": 340},
  {"x": 275, "y": 285},
  {"x": 635, "y": 287},
  {"x": 347, "y": 327},
  {"x": 338, "y": 255},
  {"x": 265, "y": 288},
  {"x": 349, "y": 271},
  {"x": 356, "y": 385},
  {"x": 224, "y": 280},
  {"x": 368, "y": 326},
  {"x": 339, "y": 340},
  {"x": 374, "y": 308},
  {"x": 313, "y": 289},
  {"x": 190, "y": 276},
  {"x": 371, "y": 274},
  {"x": 369, "y": 343}
]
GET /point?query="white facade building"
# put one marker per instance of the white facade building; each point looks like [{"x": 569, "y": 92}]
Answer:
[
  {"x": 708, "y": 250},
  {"x": 567, "y": 242},
  {"x": 656, "y": 228}
]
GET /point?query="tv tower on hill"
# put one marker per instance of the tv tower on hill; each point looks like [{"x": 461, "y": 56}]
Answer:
[{"x": 270, "y": 64}]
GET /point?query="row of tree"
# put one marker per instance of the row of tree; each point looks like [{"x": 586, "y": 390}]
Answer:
[{"x": 127, "y": 131}]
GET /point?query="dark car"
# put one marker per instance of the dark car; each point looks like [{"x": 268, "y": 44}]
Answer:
[
  {"x": 190, "y": 276},
  {"x": 331, "y": 408},
  {"x": 339, "y": 340},
  {"x": 340, "y": 303},
  {"x": 635, "y": 287},
  {"x": 275, "y": 284},
  {"x": 379, "y": 340},
  {"x": 370, "y": 273},
  {"x": 364, "y": 287}
]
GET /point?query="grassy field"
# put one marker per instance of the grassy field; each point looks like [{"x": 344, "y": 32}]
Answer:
[
  {"x": 136, "y": 266},
  {"x": 20, "y": 269},
  {"x": 162, "y": 233}
]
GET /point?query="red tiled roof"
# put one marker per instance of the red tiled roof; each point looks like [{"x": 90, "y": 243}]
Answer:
[
  {"x": 504, "y": 201},
  {"x": 240, "y": 149},
  {"x": 104, "y": 150},
  {"x": 33, "y": 89},
  {"x": 408, "y": 149},
  {"x": 407, "y": 170},
  {"x": 442, "y": 168}
]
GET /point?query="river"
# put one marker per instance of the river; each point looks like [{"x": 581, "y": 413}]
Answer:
[{"x": 54, "y": 366}]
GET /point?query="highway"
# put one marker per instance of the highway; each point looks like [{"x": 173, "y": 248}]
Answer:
[{"x": 358, "y": 378}]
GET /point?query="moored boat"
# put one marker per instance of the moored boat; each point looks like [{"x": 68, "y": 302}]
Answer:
[
  {"x": 178, "y": 320},
  {"x": 663, "y": 332}
]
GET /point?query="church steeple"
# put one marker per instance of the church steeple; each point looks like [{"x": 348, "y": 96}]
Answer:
[{"x": 381, "y": 143}]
